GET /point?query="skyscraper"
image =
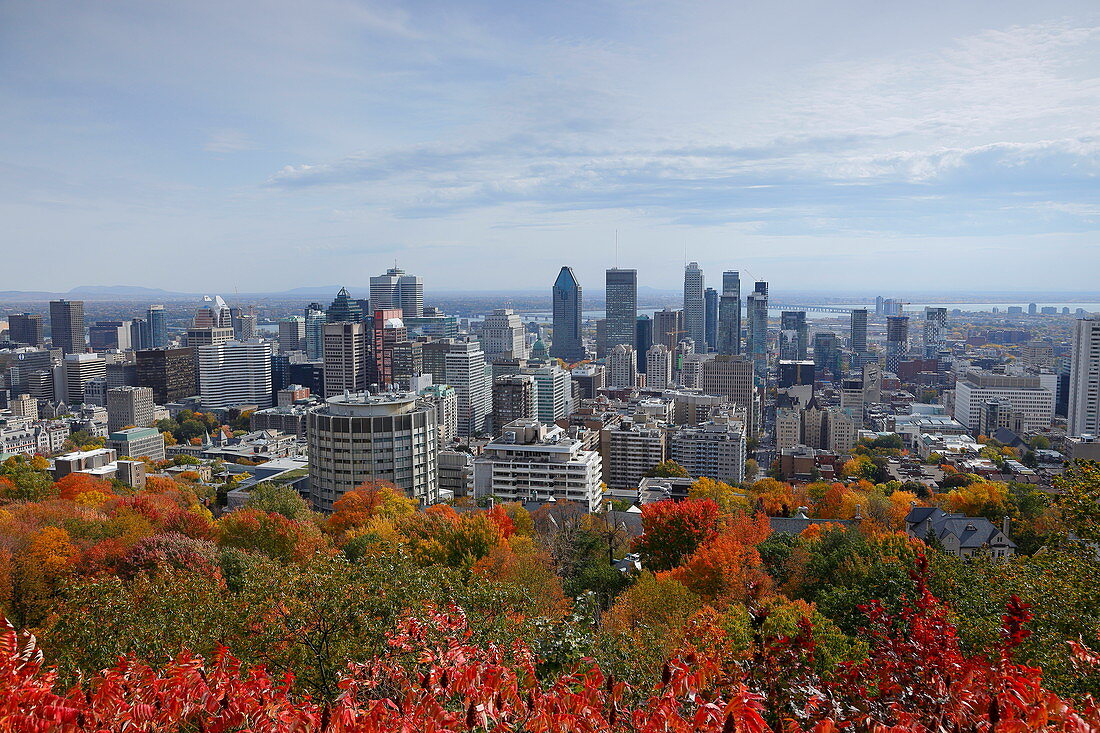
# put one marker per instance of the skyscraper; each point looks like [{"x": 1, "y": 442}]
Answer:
[
  {"x": 729, "y": 314},
  {"x": 643, "y": 339},
  {"x": 235, "y": 373},
  {"x": 897, "y": 341},
  {"x": 621, "y": 305},
  {"x": 1084, "y": 379},
  {"x": 566, "y": 292},
  {"x": 935, "y": 331},
  {"x": 514, "y": 398},
  {"x": 347, "y": 367},
  {"x": 344, "y": 309},
  {"x": 292, "y": 333},
  {"x": 67, "y": 326},
  {"x": 732, "y": 377},
  {"x": 622, "y": 367},
  {"x": 502, "y": 336},
  {"x": 25, "y": 328},
  {"x": 694, "y": 309},
  {"x": 858, "y": 336},
  {"x": 398, "y": 289},
  {"x": 793, "y": 336},
  {"x": 461, "y": 364},
  {"x": 315, "y": 332},
  {"x": 826, "y": 351},
  {"x": 658, "y": 373},
  {"x": 710, "y": 311},
  {"x": 129, "y": 407},
  {"x": 668, "y": 327},
  {"x": 169, "y": 372},
  {"x": 389, "y": 330},
  {"x": 757, "y": 306}
]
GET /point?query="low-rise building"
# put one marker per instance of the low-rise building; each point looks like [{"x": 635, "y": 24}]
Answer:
[
  {"x": 959, "y": 534},
  {"x": 138, "y": 443}
]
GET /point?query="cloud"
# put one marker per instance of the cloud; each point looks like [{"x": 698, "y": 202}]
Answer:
[{"x": 228, "y": 141}]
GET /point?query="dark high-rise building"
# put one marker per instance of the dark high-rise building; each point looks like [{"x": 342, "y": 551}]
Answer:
[
  {"x": 710, "y": 311},
  {"x": 757, "y": 306},
  {"x": 621, "y": 306},
  {"x": 897, "y": 341},
  {"x": 668, "y": 327},
  {"x": 859, "y": 331},
  {"x": 567, "y": 344},
  {"x": 729, "y": 314},
  {"x": 643, "y": 339},
  {"x": 827, "y": 351},
  {"x": 308, "y": 374},
  {"x": 139, "y": 334},
  {"x": 171, "y": 373},
  {"x": 694, "y": 309},
  {"x": 344, "y": 309},
  {"x": 25, "y": 328},
  {"x": 158, "y": 327},
  {"x": 793, "y": 336},
  {"x": 67, "y": 326}
]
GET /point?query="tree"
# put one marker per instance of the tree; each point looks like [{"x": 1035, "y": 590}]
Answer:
[
  {"x": 268, "y": 497},
  {"x": 38, "y": 572},
  {"x": 367, "y": 500},
  {"x": 274, "y": 535},
  {"x": 752, "y": 469},
  {"x": 728, "y": 498},
  {"x": 1079, "y": 499},
  {"x": 674, "y": 530},
  {"x": 24, "y": 481},
  {"x": 668, "y": 469}
]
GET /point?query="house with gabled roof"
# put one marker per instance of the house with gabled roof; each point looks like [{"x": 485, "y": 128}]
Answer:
[{"x": 959, "y": 534}]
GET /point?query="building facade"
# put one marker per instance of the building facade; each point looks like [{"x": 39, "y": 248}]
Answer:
[{"x": 362, "y": 437}]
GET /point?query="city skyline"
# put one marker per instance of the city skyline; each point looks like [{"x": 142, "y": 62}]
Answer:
[{"x": 284, "y": 144}]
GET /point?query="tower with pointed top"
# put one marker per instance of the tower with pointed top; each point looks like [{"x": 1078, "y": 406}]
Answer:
[{"x": 567, "y": 344}]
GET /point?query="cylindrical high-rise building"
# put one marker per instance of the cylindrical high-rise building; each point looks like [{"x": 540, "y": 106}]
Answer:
[{"x": 359, "y": 437}]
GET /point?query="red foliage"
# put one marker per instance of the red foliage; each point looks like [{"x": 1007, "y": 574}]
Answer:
[
  {"x": 503, "y": 522},
  {"x": 674, "y": 530},
  {"x": 73, "y": 485},
  {"x": 434, "y": 679}
]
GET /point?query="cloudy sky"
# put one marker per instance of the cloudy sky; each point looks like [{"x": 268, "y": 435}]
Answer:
[{"x": 207, "y": 145}]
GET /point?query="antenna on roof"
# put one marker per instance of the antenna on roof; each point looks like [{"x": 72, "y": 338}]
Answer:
[{"x": 616, "y": 248}]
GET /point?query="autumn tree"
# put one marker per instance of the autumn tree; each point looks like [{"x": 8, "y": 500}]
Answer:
[
  {"x": 728, "y": 498},
  {"x": 367, "y": 500},
  {"x": 673, "y": 530}
]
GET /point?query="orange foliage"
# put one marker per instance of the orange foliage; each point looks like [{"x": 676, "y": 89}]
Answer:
[
  {"x": 503, "y": 522},
  {"x": 73, "y": 485},
  {"x": 521, "y": 563},
  {"x": 723, "y": 571},
  {"x": 370, "y": 498}
]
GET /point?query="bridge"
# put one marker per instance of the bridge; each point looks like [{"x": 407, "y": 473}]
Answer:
[{"x": 809, "y": 308}]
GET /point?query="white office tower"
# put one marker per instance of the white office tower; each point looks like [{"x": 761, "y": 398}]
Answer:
[
  {"x": 1025, "y": 395},
  {"x": 533, "y": 462},
  {"x": 80, "y": 369},
  {"x": 658, "y": 364},
  {"x": 935, "y": 331},
  {"x": 694, "y": 308},
  {"x": 461, "y": 364},
  {"x": 363, "y": 437},
  {"x": 502, "y": 336},
  {"x": 622, "y": 367},
  {"x": 397, "y": 289},
  {"x": 235, "y": 373},
  {"x": 1084, "y": 379},
  {"x": 347, "y": 367}
]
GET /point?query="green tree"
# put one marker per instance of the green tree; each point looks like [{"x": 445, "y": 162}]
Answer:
[
  {"x": 28, "y": 482},
  {"x": 1079, "y": 499},
  {"x": 668, "y": 469},
  {"x": 268, "y": 497}
]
